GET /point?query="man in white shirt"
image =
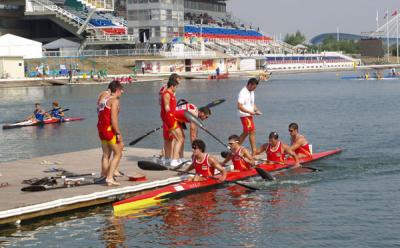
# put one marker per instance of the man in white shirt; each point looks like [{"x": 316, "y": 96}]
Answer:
[{"x": 246, "y": 109}]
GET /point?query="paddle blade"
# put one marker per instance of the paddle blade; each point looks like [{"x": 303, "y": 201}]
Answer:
[
  {"x": 225, "y": 154},
  {"x": 215, "y": 103},
  {"x": 311, "y": 168},
  {"x": 265, "y": 175},
  {"x": 147, "y": 165},
  {"x": 33, "y": 188},
  {"x": 193, "y": 119},
  {"x": 245, "y": 186}
]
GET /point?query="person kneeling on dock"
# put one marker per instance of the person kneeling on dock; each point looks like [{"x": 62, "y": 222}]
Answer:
[
  {"x": 203, "y": 163},
  {"x": 240, "y": 156},
  {"x": 298, "y": 143},
  {"x": 276, "y": 150}
]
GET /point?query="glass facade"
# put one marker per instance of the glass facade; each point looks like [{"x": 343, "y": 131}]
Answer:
[
  {"x": 155, "y": 20},
  {"x": 162, "y": 20}
]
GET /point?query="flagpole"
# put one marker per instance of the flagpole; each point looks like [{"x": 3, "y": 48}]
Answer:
[
  {"x": 397, "y": 35},
  {"x": 377, "y": 20},
  {"x": 387, "y": 33}
]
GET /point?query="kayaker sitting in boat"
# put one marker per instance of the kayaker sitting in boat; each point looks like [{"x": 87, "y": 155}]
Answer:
[
  {"x": 240, "y": 156},
  {"x": 276, "y": 150},
  {"x": 57, "y": 111},
  {"x": 298, "y": 143},
  {"x": 203, "y": 163},
  {"x": 39, "y": 114}
]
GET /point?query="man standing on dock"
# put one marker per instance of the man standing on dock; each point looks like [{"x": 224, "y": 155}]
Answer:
[
  {"x": 172, "y": 131},
  {"x": 109, "y": 132},
  {"x": 246, "y": 109}
]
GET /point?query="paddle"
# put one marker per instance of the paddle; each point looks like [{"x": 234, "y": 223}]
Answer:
[
  {"x": 210, "y": 105},
  {"x": 134, "y": 142},
  {"x": 306, "y": 167},
  {"x": 146, "y": 165},
  {"x": 195, "y": 120},
  {"x": 215, "y": 103}
]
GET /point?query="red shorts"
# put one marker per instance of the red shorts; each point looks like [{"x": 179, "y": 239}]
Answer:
[
  {"x": 166, "y": 131},
  {"x": 248, "y": 124}
]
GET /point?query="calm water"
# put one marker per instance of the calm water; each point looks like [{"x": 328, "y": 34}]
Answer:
[{"x": 353, "y": 202}]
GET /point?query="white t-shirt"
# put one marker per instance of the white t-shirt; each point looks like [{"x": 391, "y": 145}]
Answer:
[{"x": 246, "y": 98}]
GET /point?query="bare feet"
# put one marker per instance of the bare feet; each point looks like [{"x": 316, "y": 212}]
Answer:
[{"x": 112, "y": 183}]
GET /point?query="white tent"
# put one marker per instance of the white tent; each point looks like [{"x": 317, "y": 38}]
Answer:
[
  {"x": 64, "y": 46},
  {"x": 12, "y": 45}
]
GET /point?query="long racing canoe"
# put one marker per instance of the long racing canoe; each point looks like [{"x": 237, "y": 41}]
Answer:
[
  {"x": 177, "y": 190},
  {"x": 39, "y": 123}
]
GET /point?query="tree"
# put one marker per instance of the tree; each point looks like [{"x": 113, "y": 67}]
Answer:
[{"x": 295, "y": 39}]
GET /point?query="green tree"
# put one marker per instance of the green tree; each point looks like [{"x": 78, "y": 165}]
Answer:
[
  {"x": 295, "y": 39},
  {"x": 347, "y": 46}
]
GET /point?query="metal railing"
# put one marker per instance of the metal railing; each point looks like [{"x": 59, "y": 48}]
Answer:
[
  {"x": 46, "y": 4},
  {"x": 99, "y": 38},
  {"x": 188, "y": 54},
  {"x": 104, "y": 53}
]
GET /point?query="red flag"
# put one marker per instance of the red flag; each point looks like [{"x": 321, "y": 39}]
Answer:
[{"x": 394, "y": 13}]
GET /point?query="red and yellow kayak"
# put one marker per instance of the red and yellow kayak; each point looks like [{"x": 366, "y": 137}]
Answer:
[
  {"x": 38, "y": 123},
  {"x": 183, "y": 188}
]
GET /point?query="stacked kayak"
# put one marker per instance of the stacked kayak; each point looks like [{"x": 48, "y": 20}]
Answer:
[
  {"x": 38, "y": 123},
  {"x": 370, "y": 78},
  {"x": 183, "y": 188}
]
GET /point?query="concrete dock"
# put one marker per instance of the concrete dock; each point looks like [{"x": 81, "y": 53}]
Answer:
[{"x": 18, "y": 206}]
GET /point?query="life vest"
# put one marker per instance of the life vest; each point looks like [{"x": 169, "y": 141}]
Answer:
[
  {"x": 203, "y": 168},
  {"x": 56, "y": 113},
  {"x": 275, "y": 155},
  {"x": 38, "y": 115},
  {"x": 238, "y": 162}
]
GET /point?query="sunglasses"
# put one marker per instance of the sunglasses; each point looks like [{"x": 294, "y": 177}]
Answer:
[
  {"x": 291, "y": 130},
  {"x": 194, "y": 147},
  {"x": 231, "y": 143}
]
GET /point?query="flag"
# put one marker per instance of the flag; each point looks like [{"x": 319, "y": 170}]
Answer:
[{"x": 394, "y": 13}]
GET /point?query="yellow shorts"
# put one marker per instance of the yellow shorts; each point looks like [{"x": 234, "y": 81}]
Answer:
[{"x": 112, "y": 141}]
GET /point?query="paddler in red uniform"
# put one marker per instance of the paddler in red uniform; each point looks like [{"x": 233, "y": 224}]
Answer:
[
  {"x": 298, "y": 143},
  {"x": 202, "y": 113},
  {"x": 109, "y": 132},
  {"x": 276, "y": 150},
  {"x": 171, "y": 128},
  {"x": 203, "y": 163},
  {"x": 240, "y": 156}
]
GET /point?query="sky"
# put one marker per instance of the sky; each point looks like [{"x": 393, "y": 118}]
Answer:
[{"x": 312, "y": 17}]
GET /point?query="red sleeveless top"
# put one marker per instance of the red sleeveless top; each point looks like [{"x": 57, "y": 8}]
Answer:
[
  {"x": 203, "y": 168},
  {"x": 304, "y": 149},
  {"x": 180, "y": 111},
  {"x": 238, "y": 162},
  {"x": 275, "y": 155},
  {"x": 172, "y": 103},
  {"x": 106, "y": 132}
]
